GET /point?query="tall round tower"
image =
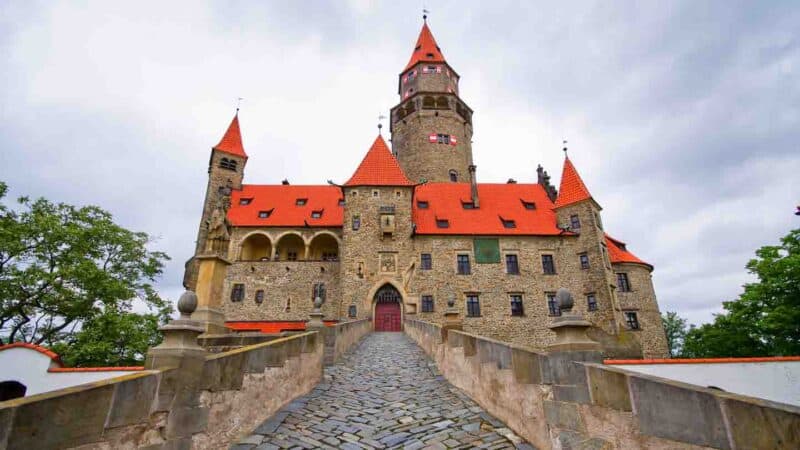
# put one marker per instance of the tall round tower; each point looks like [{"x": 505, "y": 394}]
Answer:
[{"x": 431, "y": 126}]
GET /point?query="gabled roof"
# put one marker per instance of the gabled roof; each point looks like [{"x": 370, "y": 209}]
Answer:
[
  {"x": 426, "y": 49},
  {"x": 280, "y": 201},
  {"x": 618, "y": 253},
  {"x": 232, "y": 140},
  {"x": 498, "y": 202},
  {"x": 572, "y": 189},
  {"x": 379, "y": 168}
]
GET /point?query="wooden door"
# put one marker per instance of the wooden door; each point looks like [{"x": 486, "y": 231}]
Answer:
[{"x": 387, "y": 309}]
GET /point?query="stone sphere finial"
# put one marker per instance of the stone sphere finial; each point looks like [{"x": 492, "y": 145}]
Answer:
[
  {"x": 451, "y": 301},
  {"x": 564, "y": 299},
  {"x": 318, "y": 302},
  {"x": 187, "y": 304}
]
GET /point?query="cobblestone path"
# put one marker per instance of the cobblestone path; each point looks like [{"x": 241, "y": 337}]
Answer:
[{"x": 385, "y": 393}]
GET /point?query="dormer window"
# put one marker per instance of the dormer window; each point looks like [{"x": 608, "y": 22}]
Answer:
[
  {"x": 429, "y": 55},
  {"x": 245, "y": 201},
  {"x": 528, "y": 205},
  {"x": 264, "y": 214},
  {"x": 341, "y": 202},
  {"x": 301, "y": 201},
  {"x": 468, "y": 205},
  {"x": 442, "y": 223},
  {"x": 508, "y": 223},
  {"x": 422, "y": 204},
  {"x": 316, "y": 214}
]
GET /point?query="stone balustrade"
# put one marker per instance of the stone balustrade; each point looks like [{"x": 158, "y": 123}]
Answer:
[{"x": 571, "y": 400}]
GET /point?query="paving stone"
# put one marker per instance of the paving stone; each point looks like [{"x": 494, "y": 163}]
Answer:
[{"x": 385, "y": 392}]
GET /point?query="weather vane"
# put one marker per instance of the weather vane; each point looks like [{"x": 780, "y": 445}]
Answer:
[
  {"x": 238, "y": 103},
  {"x": 565, "y": 147},
  {"x": 425, "y": 13},
  {"x": 380, "y": 125}
]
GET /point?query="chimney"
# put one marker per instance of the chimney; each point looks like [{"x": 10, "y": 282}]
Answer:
[{"x": 473, "y": 184}]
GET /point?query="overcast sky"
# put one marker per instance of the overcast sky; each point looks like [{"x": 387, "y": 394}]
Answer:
[{"x": 683, "y": 118}]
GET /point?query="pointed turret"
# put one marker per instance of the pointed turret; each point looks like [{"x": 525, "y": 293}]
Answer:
[
  {"x": 379, "y": 168},
  {"x": 426, "y": 49},
  {"x": 572, "y": 189},
  {"x": 231, "y": 142}
]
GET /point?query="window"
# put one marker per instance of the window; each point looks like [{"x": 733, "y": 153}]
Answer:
[
  {"x": 260, "y": 296},
  {"x": 245, "y": 201},
  {"x": 376, "y": 193},
  {"x": 228, "y": 164},
  {"x": 463, "y": 264},
  {"x": 632, "y": 320},
  {"x": 605, "y": 254},
  {"x": 597, "y": 219},
  {"x": 442, "y": 223},
  {"x": 356, "y": 222},
  {"x": 316, "y": 214},
  {"x": 453, "y": 176},
  {"x": 426, "y": 262},
  {"x": 264, "y": 214},
  {"x": 473, "y": 305},
  {"x": 548, "y": 265},
  {"x": 552, "y": 304},
  {"x": 351, "y": 311},
  {"x": 512, "y": 265},
  {"x": 318, "y": 291},
  {"x": 330, "y": 256},
  {"x": 529, "y": 205},
  {"x": 439, "y": 138},
  {"x": 291, "y": 256},
  {"x": 341, "y": 202},
  {"x": 584, "y": 260},
  {"x": 468, "y": 205},
  {"x": 237, "y": 293},
  {"x": 508, "y": 223},
  {"x": 574, "y": 222},
  {"x": 591, "y": 302},
  {"x": 301, "y": 201},
  {"x": 427, "y": 303},
  {"x": 422, "y": 204},
  {"x": 516, "y": 305},
  {"x": 622, "y": 282}
]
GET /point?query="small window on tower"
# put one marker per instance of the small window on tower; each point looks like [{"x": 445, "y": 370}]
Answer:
[
  {"x": 301, "y": 201},
  {"x": 341, "y": 202},
  {"x": 453, "y": 176},
  {"x": 245, "y": 201},
  {"x": 443, "y": 138},
  {"x": 429, "y": 55}
]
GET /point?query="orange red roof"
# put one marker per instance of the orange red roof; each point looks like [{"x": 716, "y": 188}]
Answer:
[
  {"x": 49, "y": 353},
  {"x": 286, "y": 206},
  {"x": 525, "y": 205},
  {"x": 426, "y": 49},
  {"x": 379, "y": 168},
  {"x": 272, "y": 326},
  {"x": 618, "y": 253},
  {"x": 572, "y": 189},
  {"x": 232, "y": 140}
]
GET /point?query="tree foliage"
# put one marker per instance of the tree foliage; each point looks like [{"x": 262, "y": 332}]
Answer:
[
  {"x": 765, "y": 319},
  {"x": 675, "y": 328},
  {"x": 70, "y": 276}
]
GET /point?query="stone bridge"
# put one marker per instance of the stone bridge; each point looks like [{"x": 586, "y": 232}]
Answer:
[{"x": 426, "y": 387}]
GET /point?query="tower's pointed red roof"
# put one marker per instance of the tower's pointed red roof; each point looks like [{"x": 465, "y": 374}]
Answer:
[
  {"x": 379, "y": 168},
  {"x": 572, "y": 189},
  {"x": 232, "y": 140},
  {"x": 426, "y": 49}
]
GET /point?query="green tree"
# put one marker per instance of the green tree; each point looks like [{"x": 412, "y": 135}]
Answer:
[
  {"x": 765, "y": 319},
  {"x": 675, "y": 327},
  {"x": 65, "y": 270}
]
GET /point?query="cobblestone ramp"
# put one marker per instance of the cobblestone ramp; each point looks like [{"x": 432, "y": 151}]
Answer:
[{"x": 384, "y": 393}]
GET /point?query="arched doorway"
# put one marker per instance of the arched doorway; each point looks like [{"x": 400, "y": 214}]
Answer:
[
  {"x": 11, "y": 390},
  {"x": 387, "y": 309}
]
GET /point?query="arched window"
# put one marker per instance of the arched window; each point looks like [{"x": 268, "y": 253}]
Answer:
[
  {"x": 442, "y": 102},
  {"x": 453, "y": 175}
]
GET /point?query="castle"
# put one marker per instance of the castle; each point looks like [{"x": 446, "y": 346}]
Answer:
[{"x": 412, "y": 232}]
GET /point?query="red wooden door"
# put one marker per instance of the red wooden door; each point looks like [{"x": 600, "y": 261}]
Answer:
[{"x": 387, "y": 317}]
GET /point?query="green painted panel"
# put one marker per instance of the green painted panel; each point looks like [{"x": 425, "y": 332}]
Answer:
[{"x": 487, "y": 251}]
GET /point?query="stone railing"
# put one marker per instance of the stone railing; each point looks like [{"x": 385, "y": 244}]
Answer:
[
  {"x": 341, "y": 336},
  {"x": 570, "y": 399},
  {"x": 158, "y": 409}
]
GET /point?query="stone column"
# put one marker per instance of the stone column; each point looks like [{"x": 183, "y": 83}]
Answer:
[
  {"x": 327, "y": 334},
  {"x": 210, "y": 279},
  {"x": 570, "y": 328}
]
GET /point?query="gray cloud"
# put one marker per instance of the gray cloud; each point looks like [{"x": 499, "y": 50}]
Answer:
[{"x": 682, "y": 118}]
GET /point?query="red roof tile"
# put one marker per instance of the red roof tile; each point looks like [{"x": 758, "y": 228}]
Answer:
[
  {"x": 426, "y": 49},
  {"x": 272, "y": 326},
  {"x": 232, "y": 140},
  {"x": 617, "y": 253},
  {"x": 50, "y": 354},
  {"x": 572, "y": 189},
  {"x": 281, "y": 202},
  {"x": 506, "y": 201},
  {"x": 379, "y": 168}
]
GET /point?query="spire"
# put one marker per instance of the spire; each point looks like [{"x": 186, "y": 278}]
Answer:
[
  {"x": 572, "y": 189},
  {"x": 426, "y": 49},
  {"x": 379, "y": 168},
  {"x": 232, "y": 140}
]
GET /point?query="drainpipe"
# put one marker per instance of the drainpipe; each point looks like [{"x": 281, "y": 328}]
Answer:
[{"x": 473, "y": 185}]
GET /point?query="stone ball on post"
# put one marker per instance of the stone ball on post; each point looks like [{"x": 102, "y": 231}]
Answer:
[
  {"x": 564, "y": 299},
  {"x": 187, "y": 304}
]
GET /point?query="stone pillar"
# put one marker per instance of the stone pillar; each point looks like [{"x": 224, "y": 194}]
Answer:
[
  {"x": 570, "y": 328},
  {"x": 181, "y": 359},
  {"x": 210, "y": 279},
  {"x": 327, "y": 334},
  {"x": 452, "y": 318}
]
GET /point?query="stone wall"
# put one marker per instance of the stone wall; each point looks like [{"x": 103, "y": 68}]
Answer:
[
  {"x": 238, "y": 390},
  {"x": 340, "y": 337},
  {"x": 568, "y": 400},
  {"x": 642, "y": 300}
]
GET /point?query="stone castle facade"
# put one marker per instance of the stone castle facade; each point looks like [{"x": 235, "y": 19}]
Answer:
[{"x": 412, "y": 231}]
